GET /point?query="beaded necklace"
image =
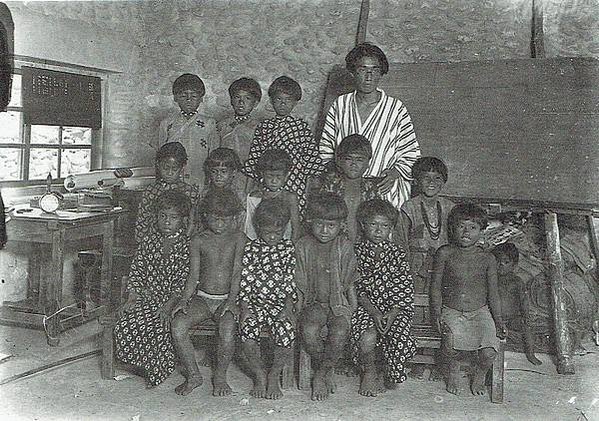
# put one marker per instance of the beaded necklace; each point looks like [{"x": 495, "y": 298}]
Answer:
[{"x": 433, "y": 230}]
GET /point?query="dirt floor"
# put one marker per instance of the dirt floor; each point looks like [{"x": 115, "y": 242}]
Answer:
[{"x": 76, "y": 392}]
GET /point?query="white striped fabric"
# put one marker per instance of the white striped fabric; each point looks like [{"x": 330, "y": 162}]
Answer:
[{"x": 388, "y": 128}]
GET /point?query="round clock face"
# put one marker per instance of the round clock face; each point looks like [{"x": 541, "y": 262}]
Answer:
[{"x": 49, "y": 202}]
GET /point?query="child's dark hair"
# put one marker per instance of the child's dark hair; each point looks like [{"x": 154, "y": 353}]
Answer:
[
  {"x": 366, "y": 50},
  {"x": 172, "y": 150},
  {"x": 429, "y": 164},
  {"x": 508, "y": 250},
  {"x": 326, "y": 205},
  {"x": 173, "y": 199},
  {"x": 376, "y": 207},
  {"x": 467, "y": 212},
  {"x": 273, "y": 160},
  {"x": 248, "y": 85},
  {"x": 271, "y": 212},
  {"x": 285, "y": 85},
  {"x": 222, "y": 157},
  {"x": 221, "y": 202},
  {"x": 188, "y": 81},
  {"x": 354, "y": 143}
]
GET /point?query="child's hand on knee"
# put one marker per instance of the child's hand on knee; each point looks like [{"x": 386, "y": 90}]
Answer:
[
  {"x": 287, "y": 314},
  {"x": 127, "y": 305},
  {"x": 164, "y": 314},
  {"x": 182, "y": 306},
  {"x": 228, "y": 306}
]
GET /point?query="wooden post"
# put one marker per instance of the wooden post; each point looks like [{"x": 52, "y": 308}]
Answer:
[
  {"x": 593, "y": 240},
  {"x": 363, "y": 21},
  {"x": 537, "y": 45},
  {"x": 556, "y": 277},
  {"x": 54, "y": 286}
]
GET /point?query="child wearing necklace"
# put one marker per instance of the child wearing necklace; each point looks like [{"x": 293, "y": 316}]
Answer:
[
  {"x": 423, "y": 225},
  {"x": 273, "y": 169}
]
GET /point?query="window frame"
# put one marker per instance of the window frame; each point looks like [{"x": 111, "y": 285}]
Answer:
[{"x": 97, "y": 135}]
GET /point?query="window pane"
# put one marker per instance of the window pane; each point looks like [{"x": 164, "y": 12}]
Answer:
[
  {"x": 44, "y": 134},
  {"x": 10, "y": 162},
  {"x": 15, "y": 95},
  {"x": 75, "y": 161},
  {"x": 76, "y": 136},
  {"x": 11, "y": 123},
  {"x": 42, "y": 162}
]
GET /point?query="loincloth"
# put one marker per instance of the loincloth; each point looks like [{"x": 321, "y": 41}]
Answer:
[
  {"x": 213, "y": 301},
  {"x": 470, "y": 330}
]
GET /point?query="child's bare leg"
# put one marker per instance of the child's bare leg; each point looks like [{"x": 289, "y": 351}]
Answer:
[
  {"x": 312, "y": 321},
  {"x": 251, "y": 349},
  {"x": 529, "y": 345},
  {"x": 322, "y": 383},
  {"x": 281, "y": 357},
  {"x": 224, "y": 354},
  {"x": 486, "y": 356},
  {"x": 451, "y": 362},
  {"x": 369, "y": 386},
  {"x": 196, "y": 313}
]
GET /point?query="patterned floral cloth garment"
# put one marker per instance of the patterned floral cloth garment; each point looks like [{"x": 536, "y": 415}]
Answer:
[
  {"x": 387, "y": 282},
  {"x": 267, "y": 281},
  {"x": 140, "y": 338}
]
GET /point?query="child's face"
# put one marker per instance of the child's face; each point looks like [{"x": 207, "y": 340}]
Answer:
[
  {"x": 170, "y": 169},
  {"x": 221, "y": 176},
  {"x": 430, "y": 183},
  {"x": 220, "y": 224},
  {"x": 377, "y": 228},
  {"x": 325, "y": 230},
  {"x": 505, "y": 265},
  {"x": 188, "y": 100},
  {"x": 353, "y": 165},
  {"x": 243, "y": 102},
  {"x": 274, "y": 180},
  {"x": 169, "y": 221},
  {"x": 467, "y": 233},
  {"x": 271, "y": 234},
  {"x": 283, "y": 103},
  {"x": 367, "y": 74}
]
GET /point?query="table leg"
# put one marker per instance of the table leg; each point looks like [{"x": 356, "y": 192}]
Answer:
[
  {"x": 106, "y": 275},
  {"x": 54, "y": 288}
]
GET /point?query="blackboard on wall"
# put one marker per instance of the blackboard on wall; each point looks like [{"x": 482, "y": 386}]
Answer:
[
  {"x": 61, "y": 98},
  {"x": 524, "y": 130}
]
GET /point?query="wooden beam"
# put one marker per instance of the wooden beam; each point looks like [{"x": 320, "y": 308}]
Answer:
[
  {"x": 593, "y": 240},
  {"x": 363, "y": 22},
  {"x": 556, "y": 277},
  {"x": 537, "y": 45}
]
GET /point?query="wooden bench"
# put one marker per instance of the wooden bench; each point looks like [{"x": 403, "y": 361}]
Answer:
[
  {"x": 208, "y": 328},
  {"x": 426, "y": 338}
]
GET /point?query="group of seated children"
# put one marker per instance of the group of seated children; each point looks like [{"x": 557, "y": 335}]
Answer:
[{"x": 276, "y": 244}]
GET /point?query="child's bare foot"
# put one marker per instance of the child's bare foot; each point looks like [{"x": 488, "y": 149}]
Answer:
[
  {"x": 417, "y": 372},
  {"x": 330, "y": 382},
  {"x": 452, "y": 377},
  {"x": 319, "y": 387},
  {"x": 259, "y": 390},
  {"x": 273, "y": 391},
  {"x": 478, "y": 382},
  {"x": 533, "y": 359},
  {"x": 370, "y": 384},
  {"x": 189, "y": 384},
  {"x": 220, "y": 387}
]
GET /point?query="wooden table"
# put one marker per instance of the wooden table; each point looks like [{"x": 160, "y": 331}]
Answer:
[{"x": 44, "y": 296}]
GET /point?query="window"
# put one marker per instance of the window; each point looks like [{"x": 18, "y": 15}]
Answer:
[{"x": 30, "y": 146}]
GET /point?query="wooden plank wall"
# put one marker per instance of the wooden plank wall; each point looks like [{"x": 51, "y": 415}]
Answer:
[{"x": 525, "y": 129}]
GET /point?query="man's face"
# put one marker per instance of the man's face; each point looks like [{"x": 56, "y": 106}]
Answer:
[{"x": 367, "y": 74}]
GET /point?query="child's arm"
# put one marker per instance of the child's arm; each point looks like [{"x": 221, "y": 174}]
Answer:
[
  {"x": 493, "y": 295},
  {"x": 296, "y": 227},
  {"x": 374, "y": 312},
  {"x": 231, "y": 303},
  {"x": 436, "y": 294},
  {"x": 193, "y": 278},
  {"x": 352, "y": 298}
]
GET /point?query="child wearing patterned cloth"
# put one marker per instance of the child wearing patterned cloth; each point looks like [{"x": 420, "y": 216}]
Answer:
[
  {"x": 381, "y": 324},
  {"x": 267, "y": 296},
  {"x": 325, "y": 275},
  {"x": 170, "y": 161},
  {"x": 211, "y": 289},
  {"x": 465, "y": 303},
  {"x": 156, "y": 279},
  {"x": 273, "y": 168},
  {"x": 289, "y": 133}
]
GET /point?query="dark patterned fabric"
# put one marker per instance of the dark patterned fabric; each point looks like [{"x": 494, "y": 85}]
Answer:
[
  {"x": 386, "y": 281},
  {"x": 267, "y": 280},
  {"x": 139, "y": 336},
  {"x": 146, "y": 216},
  {"x": 294, "y": 136}
]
